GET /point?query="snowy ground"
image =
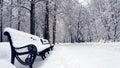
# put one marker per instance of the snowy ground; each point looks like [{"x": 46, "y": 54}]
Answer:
[
  {"x": 89, "y": 55},
  {"x": 82, "y": 55}
]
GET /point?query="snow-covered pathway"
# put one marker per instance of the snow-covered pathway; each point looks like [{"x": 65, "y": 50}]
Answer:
[{"x": 82, "y": 55}]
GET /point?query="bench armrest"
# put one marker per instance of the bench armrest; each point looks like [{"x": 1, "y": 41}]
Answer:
[
  {"x": 25, "y": 49},
  {"x": 22, "y": 47},
  {"x": 31, "y": 54}
]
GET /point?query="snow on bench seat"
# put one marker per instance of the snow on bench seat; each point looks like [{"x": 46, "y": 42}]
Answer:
[{"x": 20, "y": 39}]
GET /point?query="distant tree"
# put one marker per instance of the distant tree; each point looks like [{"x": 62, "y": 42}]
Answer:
[
  {"x": 32, "y": 14},
  {"x": 11, "y": 12},
  {"x": 19, "y": 14},
  {"x": 54, "y": 23},
  {"x": 46, "y": 28},
  {"x": 115, "y": 18},
  {"x": 1, "y": 22}
]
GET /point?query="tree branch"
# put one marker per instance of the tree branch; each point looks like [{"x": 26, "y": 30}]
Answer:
[
  {"x": 38, "y": 1},
  {"x": 20, "y": 6},
  {"x": 25, "y": 8}
]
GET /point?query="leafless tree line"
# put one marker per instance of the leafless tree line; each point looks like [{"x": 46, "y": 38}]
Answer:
[{"x": 63, "y": 20}]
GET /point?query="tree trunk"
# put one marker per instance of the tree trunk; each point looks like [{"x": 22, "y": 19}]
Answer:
[
  {"x": 54, "y": 24},
  {"x": 1, "y": 23},
  {"x": 11, "y": 17},
  {"x": 46, "y": 28},
  {"x": 19, "y": 14},
  {"x": 32, "y": 17}
]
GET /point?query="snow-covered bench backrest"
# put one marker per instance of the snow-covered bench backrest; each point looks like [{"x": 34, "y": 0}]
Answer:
[
  {"x": 20, "y": 38},
  {"x": 44, "y": 41}
]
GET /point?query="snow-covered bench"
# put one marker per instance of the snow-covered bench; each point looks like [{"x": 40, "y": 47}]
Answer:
[{"x": 24, "y": 43}]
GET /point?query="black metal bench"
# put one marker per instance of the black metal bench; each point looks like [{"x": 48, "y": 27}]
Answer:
[
  {"x": 32, "y": 52},
  {"x": 20, "y": 40}
]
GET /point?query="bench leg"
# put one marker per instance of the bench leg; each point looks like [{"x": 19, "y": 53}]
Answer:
[
  {"x": 30, "y": 66},
  {"x": 48, "y": 52},
  {"x": 42, "y": 57},
  {"x": 13, "y": 58},
  {"x": 34, "y": 55},
  {"x": 42, "y": 54}
]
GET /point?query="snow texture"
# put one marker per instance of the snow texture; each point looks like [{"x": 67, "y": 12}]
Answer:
[
  {"x": 6, "y": 64},
  {"x": 78, "y": 55},
  {"x": 86, "y": 55},
  {"x": 5, "y": 51},
  {"x": 5, "y": 56}
]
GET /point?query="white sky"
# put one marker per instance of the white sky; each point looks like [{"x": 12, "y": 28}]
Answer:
[{"x": 83, "y": 2}]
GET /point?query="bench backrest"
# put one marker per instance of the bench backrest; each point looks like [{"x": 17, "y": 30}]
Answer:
[{"x": 20, "y": 39}]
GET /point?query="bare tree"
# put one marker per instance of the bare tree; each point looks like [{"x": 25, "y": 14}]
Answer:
[
  {"x": 11, "y": 13},
  {"x": 32, "y": 14},
  {"x": 1, "y": 23},
  {"x": 46, "y": 28},
  {"x": 54, "y": 23},
  {"x": 19, "y": 14}
]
